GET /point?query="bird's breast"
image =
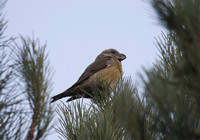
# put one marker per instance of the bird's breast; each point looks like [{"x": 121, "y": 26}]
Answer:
[{"x": 110, "y": 74}]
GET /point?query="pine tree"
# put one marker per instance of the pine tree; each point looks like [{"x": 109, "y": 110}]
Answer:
[
  {"x": 25, "y": 85},
  {"x": 33, "y": 71},
  {"x": 11, "y": 120},
  {"x": 169, "y": 107},
  {"x": 173, "y": 84}
]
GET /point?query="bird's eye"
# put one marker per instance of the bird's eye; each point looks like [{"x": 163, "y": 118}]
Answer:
[{"x": 113, "y": 52}]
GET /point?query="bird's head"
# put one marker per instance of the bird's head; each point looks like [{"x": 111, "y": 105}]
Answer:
[{"x": 113, "y": 54}]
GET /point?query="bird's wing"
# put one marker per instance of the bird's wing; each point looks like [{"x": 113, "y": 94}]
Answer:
[{"x": 96, "y": 66}]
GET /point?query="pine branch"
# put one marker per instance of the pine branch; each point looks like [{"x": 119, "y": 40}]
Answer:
[
  {"x": 33, "y": 68},
  {"x": 10, "y": 119}
]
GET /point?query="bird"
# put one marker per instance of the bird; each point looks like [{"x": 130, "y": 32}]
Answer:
[{"x": 106, "y": 68}]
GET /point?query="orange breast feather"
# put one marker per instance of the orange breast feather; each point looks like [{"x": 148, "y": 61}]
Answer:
[{"x": 111, "y": 74}]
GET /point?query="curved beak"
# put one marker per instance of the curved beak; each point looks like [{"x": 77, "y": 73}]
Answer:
[{"x": 121, "y": 57}]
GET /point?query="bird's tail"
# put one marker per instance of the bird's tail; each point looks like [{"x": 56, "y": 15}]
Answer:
[
  {"x": 57, "y": 97},
  {"x": 66, "y": 93}
]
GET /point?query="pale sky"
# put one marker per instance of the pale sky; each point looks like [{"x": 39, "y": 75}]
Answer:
[{"x": 76, "y": 31}]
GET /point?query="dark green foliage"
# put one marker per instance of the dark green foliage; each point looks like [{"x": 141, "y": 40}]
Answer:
[
  {"x": 173, "y": 84},
  {"x": 102, "y": 120},
  {"x": 174, "y": 104},
  {"x": 181, "y": 18}
]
